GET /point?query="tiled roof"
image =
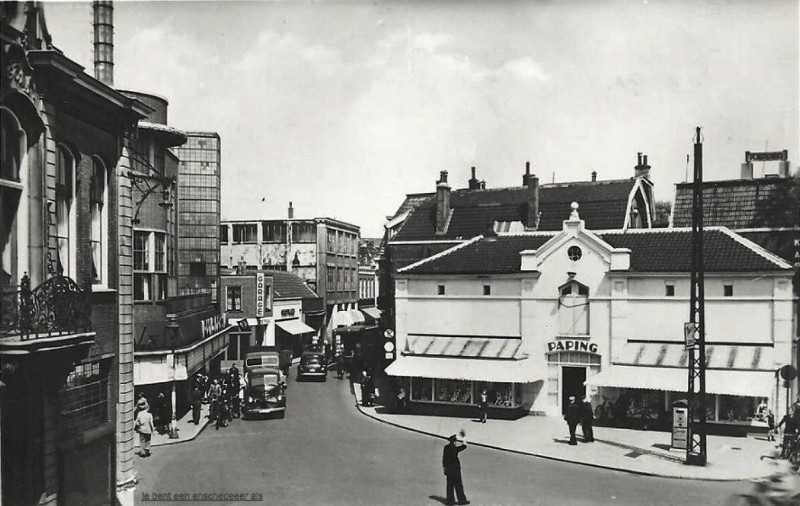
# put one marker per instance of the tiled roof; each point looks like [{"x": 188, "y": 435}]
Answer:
[
  {"x": 742, "y": 203},
  {"x": 286, "y": 285},
  {"x": 486, "y": 256},
  {"x": 656, "y": 250},
  {"x": 604, "y": 203},
  {"x": 779, "y": 242}
]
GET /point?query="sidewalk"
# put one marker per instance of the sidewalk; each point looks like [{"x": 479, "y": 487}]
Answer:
[
  {"x": 634, "y": 451},
  {"x": 186, "y": 430}
]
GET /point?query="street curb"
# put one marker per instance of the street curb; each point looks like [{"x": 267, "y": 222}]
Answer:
[
  {"x": 542, "y": 456},
  {"x": 178, "y": 441}
]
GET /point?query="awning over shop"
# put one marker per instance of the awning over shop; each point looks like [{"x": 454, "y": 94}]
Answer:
[
  {"x": 295, "y": 327},
  {"x": 341, "y": 319},
  {"x": 508, "y": 371},
  {"x": 372, "y": 312},
  {"x": 718, "y": 356},
  {"x": 465, "y": 346},
  {"x": 356, "y": 315},
  {"x": 725, "y": 382}
]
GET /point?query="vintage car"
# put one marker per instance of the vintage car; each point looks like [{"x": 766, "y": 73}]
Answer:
[
  {"x": 266, "y": 357},
  {"x": 265, "y": 392},
  {"x": 312, "y": 365}
]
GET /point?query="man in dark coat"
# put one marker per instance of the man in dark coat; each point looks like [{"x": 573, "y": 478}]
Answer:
[
  {"x": 573, "y": 417},
  {"x": 587, "y": 420},
  {"x": 452, "y": 469},
  {"x": 197, "y": 401}
]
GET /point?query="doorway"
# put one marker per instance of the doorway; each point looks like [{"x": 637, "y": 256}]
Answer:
[{"x": 572, "y": 379}]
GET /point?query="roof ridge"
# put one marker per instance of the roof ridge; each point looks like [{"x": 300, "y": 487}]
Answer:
[
  {"x": 441, "y": 254},
  {"x": 756, "y": 248}
]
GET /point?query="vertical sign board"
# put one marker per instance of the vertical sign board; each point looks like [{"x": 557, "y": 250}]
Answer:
[
  {"x": 690, "y": 334},
  {"x": 260, "y": 294},
  {"x": 680, "y": 426}
]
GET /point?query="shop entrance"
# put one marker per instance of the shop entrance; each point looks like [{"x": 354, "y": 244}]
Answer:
[{"x": 572, "y": 379}]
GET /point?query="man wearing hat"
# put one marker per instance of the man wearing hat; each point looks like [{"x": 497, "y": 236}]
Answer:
[
  {"x": 573, "y": 417},
  {"x": 144, "y": 426},
  {"x": 587, "y": 420},
  {"x": 452, "y": 469}
]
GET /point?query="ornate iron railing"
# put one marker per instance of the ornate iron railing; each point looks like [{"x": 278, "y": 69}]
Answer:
[{"x": 56, "y": 307}]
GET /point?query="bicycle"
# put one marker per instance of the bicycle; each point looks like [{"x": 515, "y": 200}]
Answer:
[{"x": 781, "y": 488}]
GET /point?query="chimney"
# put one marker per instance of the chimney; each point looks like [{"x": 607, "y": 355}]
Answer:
[
  {"x": 594, "y": 176},
  {"x": 483, "y": 184},
  {"x": 103, "y": 22},
  {"x": 291, "y": 211},
  {"x": 442, "y": 203},
  {"x": 532, "y": 184},
  {"x": 527, "y": 173},
  {"x": 642, "y": 169},
  {"x": 474, "y": 184}
]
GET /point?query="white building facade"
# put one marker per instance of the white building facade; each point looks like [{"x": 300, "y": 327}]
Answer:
[{"x": 537, "y": 317}]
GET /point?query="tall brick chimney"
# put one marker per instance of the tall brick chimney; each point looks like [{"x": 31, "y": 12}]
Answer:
[
  {"x": 594, "y": 176},
  {"x": 291, "y": 211},
  {"x": 442, "y": 203},
  {"x": 531, "y": 182},
  {"x": 474, "y": 184},
  {"x": 642, "y": 169},
  {"x": 103, "y": 23}
]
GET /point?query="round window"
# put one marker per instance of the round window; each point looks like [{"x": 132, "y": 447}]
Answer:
[{"x": 574, "y": 253}]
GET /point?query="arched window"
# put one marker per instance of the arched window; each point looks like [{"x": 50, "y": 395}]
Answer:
[
  {"x": 98, "y": 197},
  {"x": 65, "y": 211},
  {"x": 573, "y": 309},
  {"x": 12, "y": 156}
]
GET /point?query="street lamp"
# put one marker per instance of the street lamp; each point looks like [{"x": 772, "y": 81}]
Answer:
[{"x": 172, "y": 331}]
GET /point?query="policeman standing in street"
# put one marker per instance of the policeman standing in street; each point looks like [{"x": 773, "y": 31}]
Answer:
[{"x": 452, "y": 468}]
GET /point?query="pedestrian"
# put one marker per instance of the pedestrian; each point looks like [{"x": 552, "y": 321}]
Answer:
[
  {"x": 587, "y": 421},
  {"x": 144, "y": 426},
  {"x": 222, "y": 411},
  {"x": 483, "y": 404},
  {"x": 161, "y": 412},
  {"x": 452, "y": 469},
  {"x": 402, "y": 400},
  {"x": 770, "y": 425},
  {"x": 573, "y": 417},
  {"x": 367, "y": 389},
  {"x": 141, "y": 401},
  {"x": 197, "y": 401},
  {"x": 789, "y": 424},
  {"x": 215, "y": 399}
]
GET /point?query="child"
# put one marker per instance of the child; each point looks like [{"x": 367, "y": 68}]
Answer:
[{"x": 771, "y": 425}]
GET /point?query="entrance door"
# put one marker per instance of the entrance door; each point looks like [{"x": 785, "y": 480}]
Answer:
[{"x": 572, "y": 384}]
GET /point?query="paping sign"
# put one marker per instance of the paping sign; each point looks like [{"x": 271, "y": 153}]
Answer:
[{"x": 571, "y": 346}]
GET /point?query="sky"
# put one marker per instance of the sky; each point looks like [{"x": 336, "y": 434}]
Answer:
[{"x": 345, "y": 107}]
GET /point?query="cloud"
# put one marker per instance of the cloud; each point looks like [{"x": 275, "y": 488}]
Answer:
[{"x": 526, "y": 69}]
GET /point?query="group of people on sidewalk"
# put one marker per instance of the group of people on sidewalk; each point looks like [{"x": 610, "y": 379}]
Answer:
[
  {"x": 580, "y": 413},
  {"x": 225, "y": 398}
]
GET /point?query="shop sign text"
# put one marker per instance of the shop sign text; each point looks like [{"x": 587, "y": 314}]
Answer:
[
  {"x": 212, "y": 325},
  {"x": 260, "y": 296},
  {"x": 287, "y": 312},
  {"x": 572, "y": 346}
]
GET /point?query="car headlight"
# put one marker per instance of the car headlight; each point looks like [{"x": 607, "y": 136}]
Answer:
[
  {"x": 280, "y": 397},
  {"x": 249, "y": 399}
]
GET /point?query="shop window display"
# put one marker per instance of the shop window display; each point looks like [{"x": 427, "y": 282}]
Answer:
[
  {"x": 421, "y": 389},
  {"x": 737, "y": 409},
  {"x": 457, "y": 391},
  {"x": 640, "y": 404},
  {"x": 502, "y": 395}
]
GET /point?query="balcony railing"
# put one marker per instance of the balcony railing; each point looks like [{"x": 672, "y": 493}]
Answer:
[{"x": 56, "y": 307}]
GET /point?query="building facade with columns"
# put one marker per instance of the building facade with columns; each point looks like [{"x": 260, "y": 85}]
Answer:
[
  {"x": 65, "y": 309},
  {"x": 536, "y": 317}
]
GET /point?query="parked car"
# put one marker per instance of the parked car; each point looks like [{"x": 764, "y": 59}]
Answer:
[
  {"x": 312, "y": 364},
  {"x": 265, "y": 393}
]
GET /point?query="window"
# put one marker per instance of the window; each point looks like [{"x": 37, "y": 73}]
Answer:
[
  {"x": 728, "y": 290},
  {"x": 670, "y": 290},
  {"x": 274, "y": 232},
  {"x": 245, "y": 234},
  {"x": 440, "y": 289},
  {"x": 487, "y": 289},
  {"x": 12, "y": 149},
  {"x": 65, "y": 213},
  {"x": 197, "y": 268},
  {"x": 574, "y": 253},
  {"x": 149, "y": 265},
  {"x": 304, "y": 232},
  {"x": 223, "y": 234},
  {"x": 99, "y": 221},
  {"x": 234, "y": 298},
  {"x": 84, "y": 397},
  {"x": 573, "y": 309}
]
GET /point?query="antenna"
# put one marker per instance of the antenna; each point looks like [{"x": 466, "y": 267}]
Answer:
[
  {"x": 686, "y": 176},
  {"x": 553, "y": 180}
]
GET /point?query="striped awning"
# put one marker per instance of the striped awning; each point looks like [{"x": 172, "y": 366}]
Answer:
[
  {"x": 465, "y": 346},
  {"x": 673, "y": 379},
  {"x": 471, "y": 369}
]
